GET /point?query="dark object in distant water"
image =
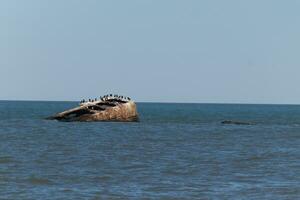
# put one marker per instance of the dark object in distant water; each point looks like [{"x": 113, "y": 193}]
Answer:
[
  {"x": 236, "y": 122},
  {"x": 106, "y": 109}
]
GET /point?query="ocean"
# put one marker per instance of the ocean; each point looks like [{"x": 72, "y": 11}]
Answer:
[{"x": 176, "y": 151}]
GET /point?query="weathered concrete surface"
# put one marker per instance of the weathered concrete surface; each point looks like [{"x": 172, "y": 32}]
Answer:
[{"x": 100, "y": 111}]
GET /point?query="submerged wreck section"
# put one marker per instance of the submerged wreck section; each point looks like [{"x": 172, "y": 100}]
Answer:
[
  {"x": 108, "y": 108},
  {"x": 236, "y": 122}
]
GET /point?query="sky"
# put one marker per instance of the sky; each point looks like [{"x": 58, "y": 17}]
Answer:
[{"x": 206, "y": 51}]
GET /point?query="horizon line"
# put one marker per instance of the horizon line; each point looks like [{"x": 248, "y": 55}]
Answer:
[{"x": 162, "y": 102}]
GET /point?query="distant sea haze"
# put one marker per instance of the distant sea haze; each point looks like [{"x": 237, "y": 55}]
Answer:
[{"x": 176, "y": 151}]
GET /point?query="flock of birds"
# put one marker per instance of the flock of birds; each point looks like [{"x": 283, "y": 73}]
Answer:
[{"x": 105, "y": 98}]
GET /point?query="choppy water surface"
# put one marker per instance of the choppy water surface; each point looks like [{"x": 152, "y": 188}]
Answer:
[{"x": 177, "y": 151}]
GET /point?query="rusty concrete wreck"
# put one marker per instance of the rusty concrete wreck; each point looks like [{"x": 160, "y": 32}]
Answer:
[{"x": 107, "y": 108}]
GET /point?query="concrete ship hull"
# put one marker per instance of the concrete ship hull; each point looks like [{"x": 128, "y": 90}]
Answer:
[{"x": 100, "y": 111}]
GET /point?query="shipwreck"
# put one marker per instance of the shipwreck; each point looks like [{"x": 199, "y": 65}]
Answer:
[{"x": 107, "y": 108}]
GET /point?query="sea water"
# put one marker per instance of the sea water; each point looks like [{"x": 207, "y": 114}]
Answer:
[{"x": 176, "y": 151}]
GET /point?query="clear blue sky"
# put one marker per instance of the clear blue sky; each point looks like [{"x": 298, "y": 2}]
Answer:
[{"x": 163, "y": 50}]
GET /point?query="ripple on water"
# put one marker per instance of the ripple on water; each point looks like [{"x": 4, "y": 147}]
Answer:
[
  {"x": 38, "y": 181},
  {"x": 6, "y": 160}
]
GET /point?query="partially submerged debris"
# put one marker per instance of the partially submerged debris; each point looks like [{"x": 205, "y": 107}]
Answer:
[
  {"x": 236, "y": 122},
  {"x": 108, "y": 108}
]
